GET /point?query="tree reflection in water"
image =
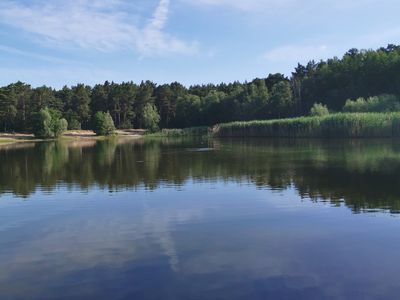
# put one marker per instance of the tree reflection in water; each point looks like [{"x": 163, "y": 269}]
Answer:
[{"x": 362, "y": 174}]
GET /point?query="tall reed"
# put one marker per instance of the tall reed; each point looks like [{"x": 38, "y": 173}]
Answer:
[
  {"x": 340, "y": 125},
  {"x": 190, "y": 131}
]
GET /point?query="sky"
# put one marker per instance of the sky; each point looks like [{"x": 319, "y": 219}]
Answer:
[{"x": 65, "y": 42}]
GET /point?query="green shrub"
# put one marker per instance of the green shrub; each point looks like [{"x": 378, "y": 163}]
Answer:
[
  {"x": 126, "y": 125},
  {"x": 319, "y": 109},
  {"x": 191, "y": 131},
  {"x": 73, "y": 120},
  {"x": 48, "y": 124},
  {"x": 103, "y": 124},
  {"x": 382, "y": 103},
  {"x": 151, "y": 118},
  {"x": 74, "y": 124}
]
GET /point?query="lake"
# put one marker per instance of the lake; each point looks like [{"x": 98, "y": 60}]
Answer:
[{"x": 200, "y": 219}]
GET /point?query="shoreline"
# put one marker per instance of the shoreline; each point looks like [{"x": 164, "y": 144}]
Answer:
[{"x": 11, "y": 138}]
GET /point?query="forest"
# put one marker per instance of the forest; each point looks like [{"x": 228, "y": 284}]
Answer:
[{"x": 358, "y": 74}]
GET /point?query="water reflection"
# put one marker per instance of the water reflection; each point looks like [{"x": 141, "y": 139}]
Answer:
[
  {"x": 362, "y": 173},
  {"x": 235, "y": 242},
  {"x": 199, "y": 219}
]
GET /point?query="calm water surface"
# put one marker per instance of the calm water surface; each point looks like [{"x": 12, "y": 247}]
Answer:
[{"x": 200, "y": 219}]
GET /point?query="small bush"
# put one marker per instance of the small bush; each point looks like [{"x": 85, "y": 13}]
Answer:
[
  {"x": 48, "y": 124},
  {"x": 103, "y": 124},
  {"x": 74, "y": 124},
  {"x": 319, "y": 110},
  {"x": 177, "y": 132},
  {"x": 126, "y": 125},
  {"x": 151, "y": 118},
  {"x": 382, "y": 103},
  {"x": 73, "y": 120}
]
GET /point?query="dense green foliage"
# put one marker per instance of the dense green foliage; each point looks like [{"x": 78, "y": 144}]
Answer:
[
  {"x": 382, "y": 103},
  {"x": 319, "y": 110},
  {"x": 103, "y": 124},
  {"x": 359, "y": 73},
  {"x": 151, "y": 118},
  {"x": 340, "y": 125},
  {"x": 177, "y": 132},
  {"x": 48, "y": 124}
]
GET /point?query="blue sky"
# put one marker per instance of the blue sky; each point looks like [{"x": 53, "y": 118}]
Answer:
[{"x": 191, "y": 41}]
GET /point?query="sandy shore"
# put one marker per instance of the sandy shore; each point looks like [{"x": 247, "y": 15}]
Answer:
[{"x": 7, "y": 138}]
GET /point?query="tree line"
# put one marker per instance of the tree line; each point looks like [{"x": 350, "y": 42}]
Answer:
[{"x": 359, "y": 73}]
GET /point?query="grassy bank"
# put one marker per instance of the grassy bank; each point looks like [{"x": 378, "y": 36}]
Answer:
[
  {"x": 191, "y": 131},
  {"x": 340, "y": 125}
]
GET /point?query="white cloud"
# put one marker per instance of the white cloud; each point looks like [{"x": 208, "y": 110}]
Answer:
[
  {"x": 239, "y": 4},
  {"x": 284, "y": 58},
  {"x": 244, "y": 5},
  {"x": 154, "y": 41},
  {"x": 381, "y": 37},
  {"x": 60, "y": 76},
  {"x": 101, "y": 25},
  {"x": 297, "y": 53},
  {"x": 290, "y": 6},
  {"x": 47, "y": 58},
  {"x": 302, "y": 53}
]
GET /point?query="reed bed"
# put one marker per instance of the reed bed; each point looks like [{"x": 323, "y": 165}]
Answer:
[
  {"x": 190, "y": 131},
  {"x": 340, "y": 125}
]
